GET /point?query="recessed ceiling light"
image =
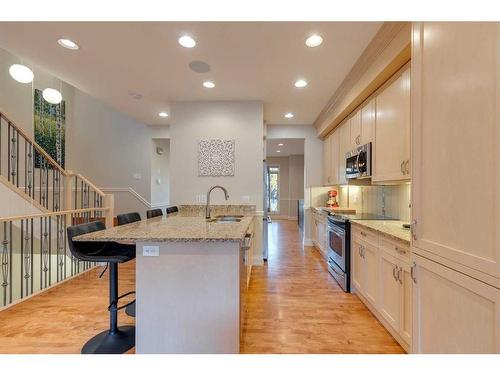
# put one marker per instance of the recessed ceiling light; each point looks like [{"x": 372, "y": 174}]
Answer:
[
  {"x": 280, "y": 144},
  {"x": 288, "y": 115},
  {"x": 163, "y": 114},
  {"x": 52, "y": 96},
  {"x": 314, "y": 40},
  {"x": 68, "y": 43},
  {"x": 209, "y": 84},
  {"x": 278, "y": 151},
  {"x": 300, "y": 83},
  {"x": 135, "y": 95},
  {"x": 21, "y": 73},
  {"x": 187, "y": 41}
]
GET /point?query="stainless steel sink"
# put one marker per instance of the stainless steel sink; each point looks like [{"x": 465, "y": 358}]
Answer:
[{"x": 226, "y": 219}]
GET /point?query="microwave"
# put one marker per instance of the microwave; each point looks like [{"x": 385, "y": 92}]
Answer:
[{"x": 358, "y": 162}]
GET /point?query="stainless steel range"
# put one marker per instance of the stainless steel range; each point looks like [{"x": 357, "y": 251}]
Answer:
[{"x": 339, "y": 245}]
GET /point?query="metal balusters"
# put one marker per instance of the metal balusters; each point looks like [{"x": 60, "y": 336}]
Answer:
[
  {"x": 44, "y": 251},
  {"x": 5, "y": 263},
  {"x": 27, "y": 260}
]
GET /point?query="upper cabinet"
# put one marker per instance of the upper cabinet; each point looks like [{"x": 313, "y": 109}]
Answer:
[
  {"x": 455, "y": 144},
  {"x": 327, "y": 162},
  {"x": 362, "y": 125},
  {"x": 355, "y": 130},
  {"x": 392, "y": 130},
  {"x": 344, "y": 131},
  {"x": 367, "y": 122}
]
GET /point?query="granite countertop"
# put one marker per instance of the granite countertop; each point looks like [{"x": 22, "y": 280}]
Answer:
[
  {"x": 176, "y": 228},
  {"x": 391, "y": 228},
  {"x": 339, "y": 210}
]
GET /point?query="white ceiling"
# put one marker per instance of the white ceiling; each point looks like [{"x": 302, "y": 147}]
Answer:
[
  {"x": 249, "y": 61},
  {"x": 291, "y": 146}
]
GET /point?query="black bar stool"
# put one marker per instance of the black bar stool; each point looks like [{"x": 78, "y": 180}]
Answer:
[
  {"x": 128, "y": 218},
  {"x": 171, "y": 210},
  {"x": 116, "y": 340},
  {"x": 154, "y": 213},
  {"x": 123, "y": 219}
]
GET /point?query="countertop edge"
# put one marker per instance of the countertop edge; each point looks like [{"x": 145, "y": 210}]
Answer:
[{"x": 386, "y": 234}]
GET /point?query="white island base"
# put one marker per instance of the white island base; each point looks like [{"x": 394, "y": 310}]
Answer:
[{"x": 188, "y": 297}]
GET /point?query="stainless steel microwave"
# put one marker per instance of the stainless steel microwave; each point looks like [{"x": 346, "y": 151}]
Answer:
[{"x": 358, "y": 162}]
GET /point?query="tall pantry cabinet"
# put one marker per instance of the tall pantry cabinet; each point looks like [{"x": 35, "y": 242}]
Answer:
[{"x": 455, "y": 187}]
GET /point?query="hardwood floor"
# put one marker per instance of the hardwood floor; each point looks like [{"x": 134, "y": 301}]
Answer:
[{"x": 294, "y": 306}]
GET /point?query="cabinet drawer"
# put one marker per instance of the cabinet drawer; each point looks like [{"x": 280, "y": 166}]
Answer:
[
  {"x": 397, "y": 249},
  {"x": 366, "y": 235}
]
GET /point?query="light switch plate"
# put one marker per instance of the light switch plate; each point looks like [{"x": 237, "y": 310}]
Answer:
[{"x": 150, "y": 251}]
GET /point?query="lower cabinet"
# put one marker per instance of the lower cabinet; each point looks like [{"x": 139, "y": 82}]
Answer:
[
  {"x": 319, "y": 232},
  {"x": 383, "y": 281},
  {"x": 454, "y": 313}
]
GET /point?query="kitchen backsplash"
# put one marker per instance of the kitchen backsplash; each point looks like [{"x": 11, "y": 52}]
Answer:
[{"x": 392, "y": 200}]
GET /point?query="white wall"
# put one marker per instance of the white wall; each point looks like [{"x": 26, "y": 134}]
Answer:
[
  {"x": 160, "y": 173},
  {"x": 194, "y": 121},
  {"x": 110, "y": 148}
]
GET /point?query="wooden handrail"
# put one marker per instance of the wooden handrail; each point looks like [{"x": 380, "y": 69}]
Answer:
[
  {"x": 38, "y": 148},
  {"x": 51, "y": 214}
]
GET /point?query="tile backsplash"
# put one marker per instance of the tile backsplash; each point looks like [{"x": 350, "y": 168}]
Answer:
[{"x": 393, "y": 201}]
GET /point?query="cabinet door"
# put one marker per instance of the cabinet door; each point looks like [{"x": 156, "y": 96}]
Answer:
[
  {"x": 406, "y": 302},
  {"x": 453, "y": 313},
  {"x": 355, "y": 130},
  {"x": 314, "y": 230},
  {"x": 392, "y": 124},
  {"x": 371, "y": 270},
  {"x": 327, "y": 161},
  {"x": 455, "y": 136},
  {"x": 389, "y": 303},
  {"x": 335, "y": 157},
  {"x": 357, "y": 265},
  {"x": 344, "y": 140},
  {"x": 368, "y": 122}
]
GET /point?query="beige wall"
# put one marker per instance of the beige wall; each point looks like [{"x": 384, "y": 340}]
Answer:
[
  {"x": 194, "y": 121},
  {"x": 394, "y": 200},
  {"x": 291, "y": 183}
]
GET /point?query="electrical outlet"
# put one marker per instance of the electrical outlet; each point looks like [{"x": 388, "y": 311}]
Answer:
[{"x": 150, "y": 251}]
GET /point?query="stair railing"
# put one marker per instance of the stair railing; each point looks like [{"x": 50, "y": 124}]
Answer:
[{"x": 34, "y": 252}]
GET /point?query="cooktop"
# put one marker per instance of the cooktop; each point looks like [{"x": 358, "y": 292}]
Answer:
[{"x": 360, "y": 216}]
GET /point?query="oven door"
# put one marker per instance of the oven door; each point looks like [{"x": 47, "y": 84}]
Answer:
[{"x": 336, "y": 246}]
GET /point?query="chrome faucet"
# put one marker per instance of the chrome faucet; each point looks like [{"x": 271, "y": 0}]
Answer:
[{"x": 207, "y": 208}]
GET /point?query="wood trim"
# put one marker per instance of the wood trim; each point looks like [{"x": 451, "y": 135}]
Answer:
[
  {"x": 35, "y": 145},
  {"x": 22, "y": 194},
  {"x": 382, "y": 39},
  {"x": 56, "y": 213}
]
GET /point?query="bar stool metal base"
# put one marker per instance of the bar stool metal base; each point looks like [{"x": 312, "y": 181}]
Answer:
[
  {"x": 130, "y": 310},
  {"x": 107, "y": 343}
]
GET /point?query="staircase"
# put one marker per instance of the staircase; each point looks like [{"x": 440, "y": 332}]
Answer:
[{"x": 34, "y": 253}]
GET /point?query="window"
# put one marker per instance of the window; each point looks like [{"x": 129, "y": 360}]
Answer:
[{"x": 273, "y": 189}]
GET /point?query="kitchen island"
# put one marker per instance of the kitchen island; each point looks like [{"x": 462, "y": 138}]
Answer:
[{"x": 190, "y": 281}]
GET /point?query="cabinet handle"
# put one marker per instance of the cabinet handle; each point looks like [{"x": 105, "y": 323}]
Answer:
[
  {"x": 394, "y": 272},
  {"x": 400, "y": 251},
  {"x": 412, "y": 272},
  {"x": 407, "y": 167},
  {"x": 401, "y": 167},
  {"x": 400, "y": 270},
  {"x": 363, "y": 233}
]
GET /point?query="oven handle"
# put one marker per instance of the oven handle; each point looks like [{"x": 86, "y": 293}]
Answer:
[{"x": 334, "y": 270}]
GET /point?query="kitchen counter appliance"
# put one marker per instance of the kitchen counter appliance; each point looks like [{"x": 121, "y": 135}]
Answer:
[{"x": 359, "y": 162}]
